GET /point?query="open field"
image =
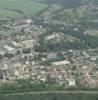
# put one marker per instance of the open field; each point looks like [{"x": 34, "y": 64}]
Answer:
[
  {"x": 92, "y": 32},
  {"x": 19, "y": 8}
]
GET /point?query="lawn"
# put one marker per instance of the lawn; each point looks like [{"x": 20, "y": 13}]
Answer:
[{"x": 28, "y": 7}]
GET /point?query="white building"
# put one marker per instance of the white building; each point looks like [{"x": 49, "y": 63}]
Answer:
[{"x": 71, "y": 81}]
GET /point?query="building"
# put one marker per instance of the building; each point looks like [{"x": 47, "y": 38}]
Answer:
[
  {"x": 58, "y": 63},
  {"x": 71, "y": 81},
  {"x": 9, "y": 49},
  {"x": 51, "y": 55}
]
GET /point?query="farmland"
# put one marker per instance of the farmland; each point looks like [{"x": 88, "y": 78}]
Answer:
[{"x": 10, "y": 9}]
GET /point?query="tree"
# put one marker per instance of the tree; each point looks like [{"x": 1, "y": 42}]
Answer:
[
  {"x": 1, "y": 57},
  {"x": 55, "y": 98},
  {"x": 8, "y": 55}
]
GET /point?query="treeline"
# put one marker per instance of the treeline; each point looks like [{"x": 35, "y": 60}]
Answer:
[
  {"x": 26, "y": 85},
  {"x": 83, "y": 42}
]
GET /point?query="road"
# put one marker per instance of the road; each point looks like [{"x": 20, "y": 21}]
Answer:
[{"x": 52, "y": 92}]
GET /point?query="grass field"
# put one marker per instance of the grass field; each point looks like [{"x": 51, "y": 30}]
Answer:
[{"x": 8, "y": 8}]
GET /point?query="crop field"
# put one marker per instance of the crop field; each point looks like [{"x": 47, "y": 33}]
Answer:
[{"x": 19, "y": 8}]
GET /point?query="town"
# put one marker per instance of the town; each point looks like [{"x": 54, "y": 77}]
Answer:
[
  {"x": 48, "y": 49},
  {"x": 19, "y": 58}
]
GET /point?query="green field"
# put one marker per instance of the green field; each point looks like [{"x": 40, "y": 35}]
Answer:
[
  {"x": 10, "y": 8},
  {"x": 50, "y": 97}
]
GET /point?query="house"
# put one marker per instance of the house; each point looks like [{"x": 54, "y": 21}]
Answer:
[
  {"x": 2, "y": 35},
  {"x": 28, "y": 43},
  {"x": 85, "y": 54},
  {"x": 51, "y": 55},
  {"x": 28, "y": 21},
  {"x": 93, "y": 58},
  {"x": 49, "y": 37},
  {"x": 9, "y": 49},
  {"x": 43, "y": 79},
  {"x": 2, "y": 51},
  {"x": 71, "y": 81},
  {"x": 58, "y": 63},
  {"x": 1, "y": 74}
]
